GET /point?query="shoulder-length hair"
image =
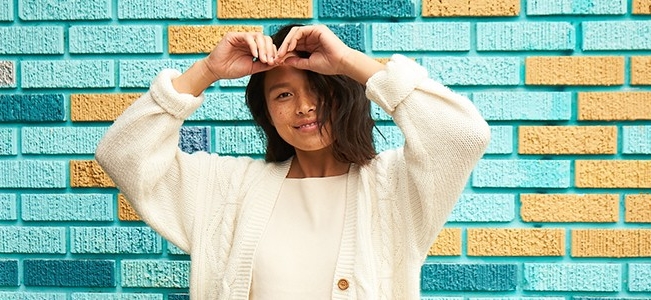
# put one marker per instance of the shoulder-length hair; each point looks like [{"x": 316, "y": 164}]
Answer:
[{"x": 342, "y": 101}]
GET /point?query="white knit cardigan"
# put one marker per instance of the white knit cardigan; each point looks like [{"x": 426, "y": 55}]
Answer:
[{"x": 216, "y": 207}]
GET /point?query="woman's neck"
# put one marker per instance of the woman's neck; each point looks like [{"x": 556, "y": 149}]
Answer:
[{"x": 316, "y": 164}]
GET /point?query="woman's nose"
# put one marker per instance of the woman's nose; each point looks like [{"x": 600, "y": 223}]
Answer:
[{"x": 305, "y": 106}]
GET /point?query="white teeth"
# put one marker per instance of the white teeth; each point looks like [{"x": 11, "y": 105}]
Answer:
[{"x": 307, "y": 125}]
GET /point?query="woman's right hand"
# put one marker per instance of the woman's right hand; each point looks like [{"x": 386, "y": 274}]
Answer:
[{"x": 239, "y": 54}]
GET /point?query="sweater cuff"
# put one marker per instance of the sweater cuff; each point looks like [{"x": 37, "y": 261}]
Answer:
[
  {"x": 390, "y": 86},
  {"x": 179, "y": 105}
]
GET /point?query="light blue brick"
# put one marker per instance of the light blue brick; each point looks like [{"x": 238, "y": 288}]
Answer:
[
  {"x": 16, "y": 239},
  {"x": 116, "y": 39},
  {"x": 236, "y": 82},
  {"x": 520, "y": 298},
  {"x": 32, "y": 296},
  {"x": 140, "y": 73},
  {"x": 165, "y": 9},
  {"x": 616, "y": 35},
  {"x": 639, "y": 277},
  {"x": 474, "y": 70},
  {"x": 68, "y": 74},
  {"x": 525, "y": 36},
  {"x": 239, "y": 140},
  {"x": 502, "y": 106},
  {"x": 8, "y": 141},
  {"x": 64, "y": 10},
  {"x": 61, "y": 140},
  {"x": 7, "y": 207},
  {"x": 387, "y": 137},
  {"x": 576, "y": 7},
  {"x": 636, "y": 139},
  {"x": 441, "y": 298},
  {"x": 522, "y": 173},
  {"x": 6, "y": 10},
  {"x": 104, "y": 296},
  {"x": 117, "y": 240},
  {"x": 174, "y": 250},
  {"x": 67, "y": 207},
  {"x": 155, "y": 274},
  {"x": 484, "y": 208},
  {"x": 378, "y": 114},
  {"x": 31, "y": 40},
  {"x": 33, "y": 174},
  {"x": 366, "y": 9},
  {"x": 222, "y": 107},
  {"x": 501, "y": 140},
  {"x": 572, "y": 277},
  {"x": 7, "y": 74},
  {"x": 439, "y": 36}
]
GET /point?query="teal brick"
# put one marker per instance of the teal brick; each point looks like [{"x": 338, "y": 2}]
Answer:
[
  {"x": 387, "y": 137},
  {"x": 178, "y": 297},
  {"x": 7, "y": 74},
  {"x": 32, "y": 108},
  {"x": 31, "y": 40},
  {"x": 155, "y": 273},
  {"x": 484, "y": 208},
  {"x": 616, "y": 35},
  {"x": 438, "y": 36},
  {"x": 33, "y": 174},
  {"x": 469, "y": 277},
  {"x": 229, "y": 106},
  {"x": 501, "y": 140},
  {"x": 441, "y": 298},
  {"x": 165, "y": 9},
  {"x": 140, "y": 73},
  {"x": 116, "y": 39},
  {"x": 576, "y": 7},
  {"x": 8, "y": 141},
  {"x": 639, "y": 277},
  {"x": 236, "y": 82},
  {"x": 64, "y": 10},
  {"x": 572, "y": 277},
  {"x": 607, "y": 298},
  {"x": 174, "y": 250},
  {"x": 61, "y": 140},
  {"x": 367, "y": 9},
  {"x": 636, "y": 139},
  {"x": 67, "y": 207},
  {"x": 6, "y": 10},
  {"x": 239, "y": 140},
  {"x": 378, "y": 114},
  {"x": 69, "y": 273},
  {"x": 125, "y": 296},
  {"x": 194, "y": 139},
  {"x": 116, "y": 240},
  {"x": 351, "y": 34},
  {"x": 8, "y": 272},
  {"x": 32, "y": 296},
  {"x": 504, "y": 106},
  {"x": 474, "y": 70},
  {"x": 522, "y": 173},
  {"x": 7, "y": 207},
  {"x": 519, "y": 298},
  {"x": 68, "y": 74},
  {"x": 14, "y": 239},
  {"x": 525, "y": 36}
]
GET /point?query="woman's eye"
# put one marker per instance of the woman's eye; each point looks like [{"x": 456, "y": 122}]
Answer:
[{"x": 284, "y": 95}]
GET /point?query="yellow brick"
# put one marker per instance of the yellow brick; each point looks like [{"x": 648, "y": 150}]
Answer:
[
  {"x": 516, "y": 242},
  {"x": 614, "y": 106},
  {"x": 264, "y": 9},
  {"x": 641, "y": 70},
  {"x": 569, "y": 207},
  {"x": 638, "y": 208},
  {"x": 446, "y": 8},
  {"x": 567, "y": 139},
  {"x": 99, "y": 107},
  {"x": 613, "y": 173},
  {"x": 88, "y": 173},
  {"x": 642, "y": 7},
  {"x": 611, "y": 243},
  {"x": 574, "y": 70},
  {"x": 201, "y": 39},
  {"x": 448, "y": 243},
  {"x": 125, "y": 210}
]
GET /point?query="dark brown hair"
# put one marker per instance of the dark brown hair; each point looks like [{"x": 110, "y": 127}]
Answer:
[{"x": 342, "y": 101}]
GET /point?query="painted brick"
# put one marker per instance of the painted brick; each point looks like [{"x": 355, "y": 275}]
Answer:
[
  {"x": 474, "y": 70},
  {"x": 165, "y": 9},
  {"x": 261, "y": 9},
  {"x": 67, "y": 207},
  {"x": 469, "y": 277},
  {"x": 616, "y": 35},
  {"x": 88, "y": 173},
  {"x": 607, "y": 298},
  {"x": 174, "y": 250},
  {"x": 6, "y": 10},
  {"x": 32, "y": 108},
  {"x": 641, "y": 70},
  {"x": 140, "y": 73},
  {"x": 7, "y": 207},
  {"x": 201, "y": 39},
  {"x": 522, "y": 173},
  {"x": 576, "y": 7},
  {"x": 439, "y": 36},
  {"x": 366, "y": 8},
  {"x": 574, "y": 70},
  {"x": 31, "y": 40},
  {"x": 638, "y": 208},
  {"x": 639, "y": 277},
  {"x": 7, "y": 74},
  {"x": 525, "y": 36},
  {"x": 237, "y": 82},
  {"x": 153, "y": 273},
  {"x": 441, "y": 298},
  {"x": 67, "y": 74},
  {"x": 125, "y": 210},
  {"x": 484, "y": 208},
  {"x": 9, "y": 272},
  {"x": 448, "y": 243},
  {"x": 611, "y": 243},
  {"x": 642, "y": 7},
  {"x": 572, "y": 277},
  {"x": 567, "y": 139},
  {"x": 501, "y": 140},
  {"x": 502, "y": 106},
  {"x": 636, "y": 139},
  {"x": 64, "y": 10},
  {"x": 33, "y": 174},
  {"x": 475, "y": 8},
  {"x": 194, "y": 139},
  {"x": 239, "y": 140},
  {"x": 387, "y": 137},
  {"x": 99, "y": 107},
  {"x": 116, "y": 39},
  {"x": 515, "y": 242},
  {"x": 351, "y": 34},
  {"x": 32, "y": 296},
  {"x": 519, "y": 298},
  {"x": 610, "y": 106},
  {"x": 8, "y": 141},
  {"x": 613, "y": 173},
  {"x": 122, "y": 296},
  {"x": 61, "y": 140},
  {"x": 378, "y": 114},
  {"x": 69, "y": 273},
  {"x": 222, "y": 107},
  {"x": 16, "y": 239},
  {"x": 178, "y": 297},
  {"x": 569, "y": 207},
  {"x": 119, "y": 240}
]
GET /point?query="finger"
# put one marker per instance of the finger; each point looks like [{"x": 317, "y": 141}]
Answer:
[
  {"x": 258, "y": 67},
  {"x": 290, "y": 41},
  {"x": 250, "y": 40},
  {"x": 297, "y": 62},
  {"x": 262, "y": 47},
  {"x": 270, "y": 49}
]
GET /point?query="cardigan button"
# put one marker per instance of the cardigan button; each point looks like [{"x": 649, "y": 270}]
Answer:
[{"x": 342, "y": 284}]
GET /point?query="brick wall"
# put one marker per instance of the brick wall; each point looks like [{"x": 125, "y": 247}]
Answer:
[{"x": 559, "y": 207}]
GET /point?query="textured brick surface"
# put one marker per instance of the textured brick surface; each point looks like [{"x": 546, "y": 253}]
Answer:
[
  {"x": 69, "y": 273},
  {"x": 501, "y": 140},
  {"x": 611, "y": 243},
  {"x": 448, "y": 8},
  {"x": 636, "y": 139},
  {"x": 165, "y": 9},
  {"x": 484, "y": 208},
  {"x": 32, "y": 107},
  {"x": 259, "y": 9},
  {"x": 572, "y": 277},
  {"x": 448, "y": 243},
  {"x": 574, "y": 70},
  {"x": 576, "y": 7},
  {"x": 642, "y": 7},
  {"x": 366, "y": 8},
  {"x": 88, "y": 173},
  {"x": 7, "y": 73},
  {"x": 440, "y": 36},
  {"x": 515, "y": 242},
  {"x": 64, "y": 10},
  {"x": 522, "y": 173},
  {"x": 238, "y": 140},
  {"x": 8, "y": 141},
  {"x": 61, "y": 140},
  {"x": 125, "y": 210},
  {"x": 178, "y": 297},
  {"x": 140, "y": 73},
  {"x": 469, "y": 277},
  {"x": 201, "y": 39},
  {"x": 127, "y": 240},
  {"x": 641, "y": 70},
  {"x": 6, "y": 10},
  {"x": 194, "y": 139},
  {"x": 32, "y": 296},
  {"x": 152, "y": 273},
  {"x": 474, "y": 70},
  {"x": 99, "y": 107},
  {"x": 529, "y": 36},
  {"x": 569, "y": 207},
  {"x": 18, "y": 239},
  {"x": 351, "y": 34},
  {"x": 31, "y": 40},
  {"x": 503, "y": 106},
  {"x": 387, "y": 137},
  {"x": 613, "y": 173},
  {"x": 228, "y": 106},
  {"x": 567, "y": 139},
  {"x": 67, "y": 207},
  {"x": 616, "y": 35},
  {"x": 116, "y": 39},
  {"x": 638, "y": 208},
  {"x": 8, "y": 272},
  {"x": 614, "y": 106},
  {"x": 32, "y": 174},
  {"x": 639, "y": 277},
  {"x": 67, "y": 74},
  {"x": 121, "y": 296},
  {"x": 7, "y": 207}
]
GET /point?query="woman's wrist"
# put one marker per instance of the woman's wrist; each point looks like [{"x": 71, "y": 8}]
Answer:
[
  {"x": 360, "y": 66},
  {"x": 195, "y": 80}
]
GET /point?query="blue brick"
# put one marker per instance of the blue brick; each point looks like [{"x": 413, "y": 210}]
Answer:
[
  {"x": 469, "y": 277},
  {"x": 31, "y": 40},
  {"x": 237, "y": 82},
  {"x": 351, "y": 34},
  {"x": 68, "y": 74},
  {"x": 7, "y": 207},
  {"x": 576, "y": 7},
  {"x": 140, "y": 73},
  {"x": 65, "y": 10},
  {"x": 116, "y": 39},
  {"x": 178, "y": 297},
  {"x": 611, "y": 35},
  {"x": 439, "y": 36},
  {"x": 367, "y": 8},
  {"x": 119, "y": 240},
  {"x": 524, "y": 105},
  {"x": 67, "y": 207},
  {"x": 195, "y": 139},
  {"x": 154, "y": 273},
  {"x": 522, "y": 173},
  {"x": 69, "y": 273},
  {"x": 501, "y": 140},
  {"x": 636, "y": 139},
  {"x": 174, "y": 250},
  {"x": 7, "y": 74},
  {"x": 8, "y": 141},
  {"x": 103, "y": 296},
  {"x": 441, "y": 298},
  {"x": 61, "y": 140},
  {"x": 387, "y": 137},
  {"x": 484, "y": 208},
  {"x": 378, "y": 114},
  {"x": 165, "y": 9},
  {"x": 519, "y": 298},
  {"x": 222, "y": 107},
  {"x": 572, "y": 277},
  {"x": 32, "y": 240},
  {"x": 474, "y": 70},
  {"x": 239, "y": 140},
  {"x": 607, "y": 298},
  {"x": 525, "y": 36},
  {"x": 32, "y": 108},
  {"x": 8, "y": 273},
  {"x": 32, "y": 296},
  {"x": 6, "y": 10},
  {"x": 33, "y": 174},
  {"x": 639, "y": 277}
]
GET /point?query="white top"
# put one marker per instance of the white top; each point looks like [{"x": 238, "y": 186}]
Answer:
[{"x": 297, "y": 254}]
